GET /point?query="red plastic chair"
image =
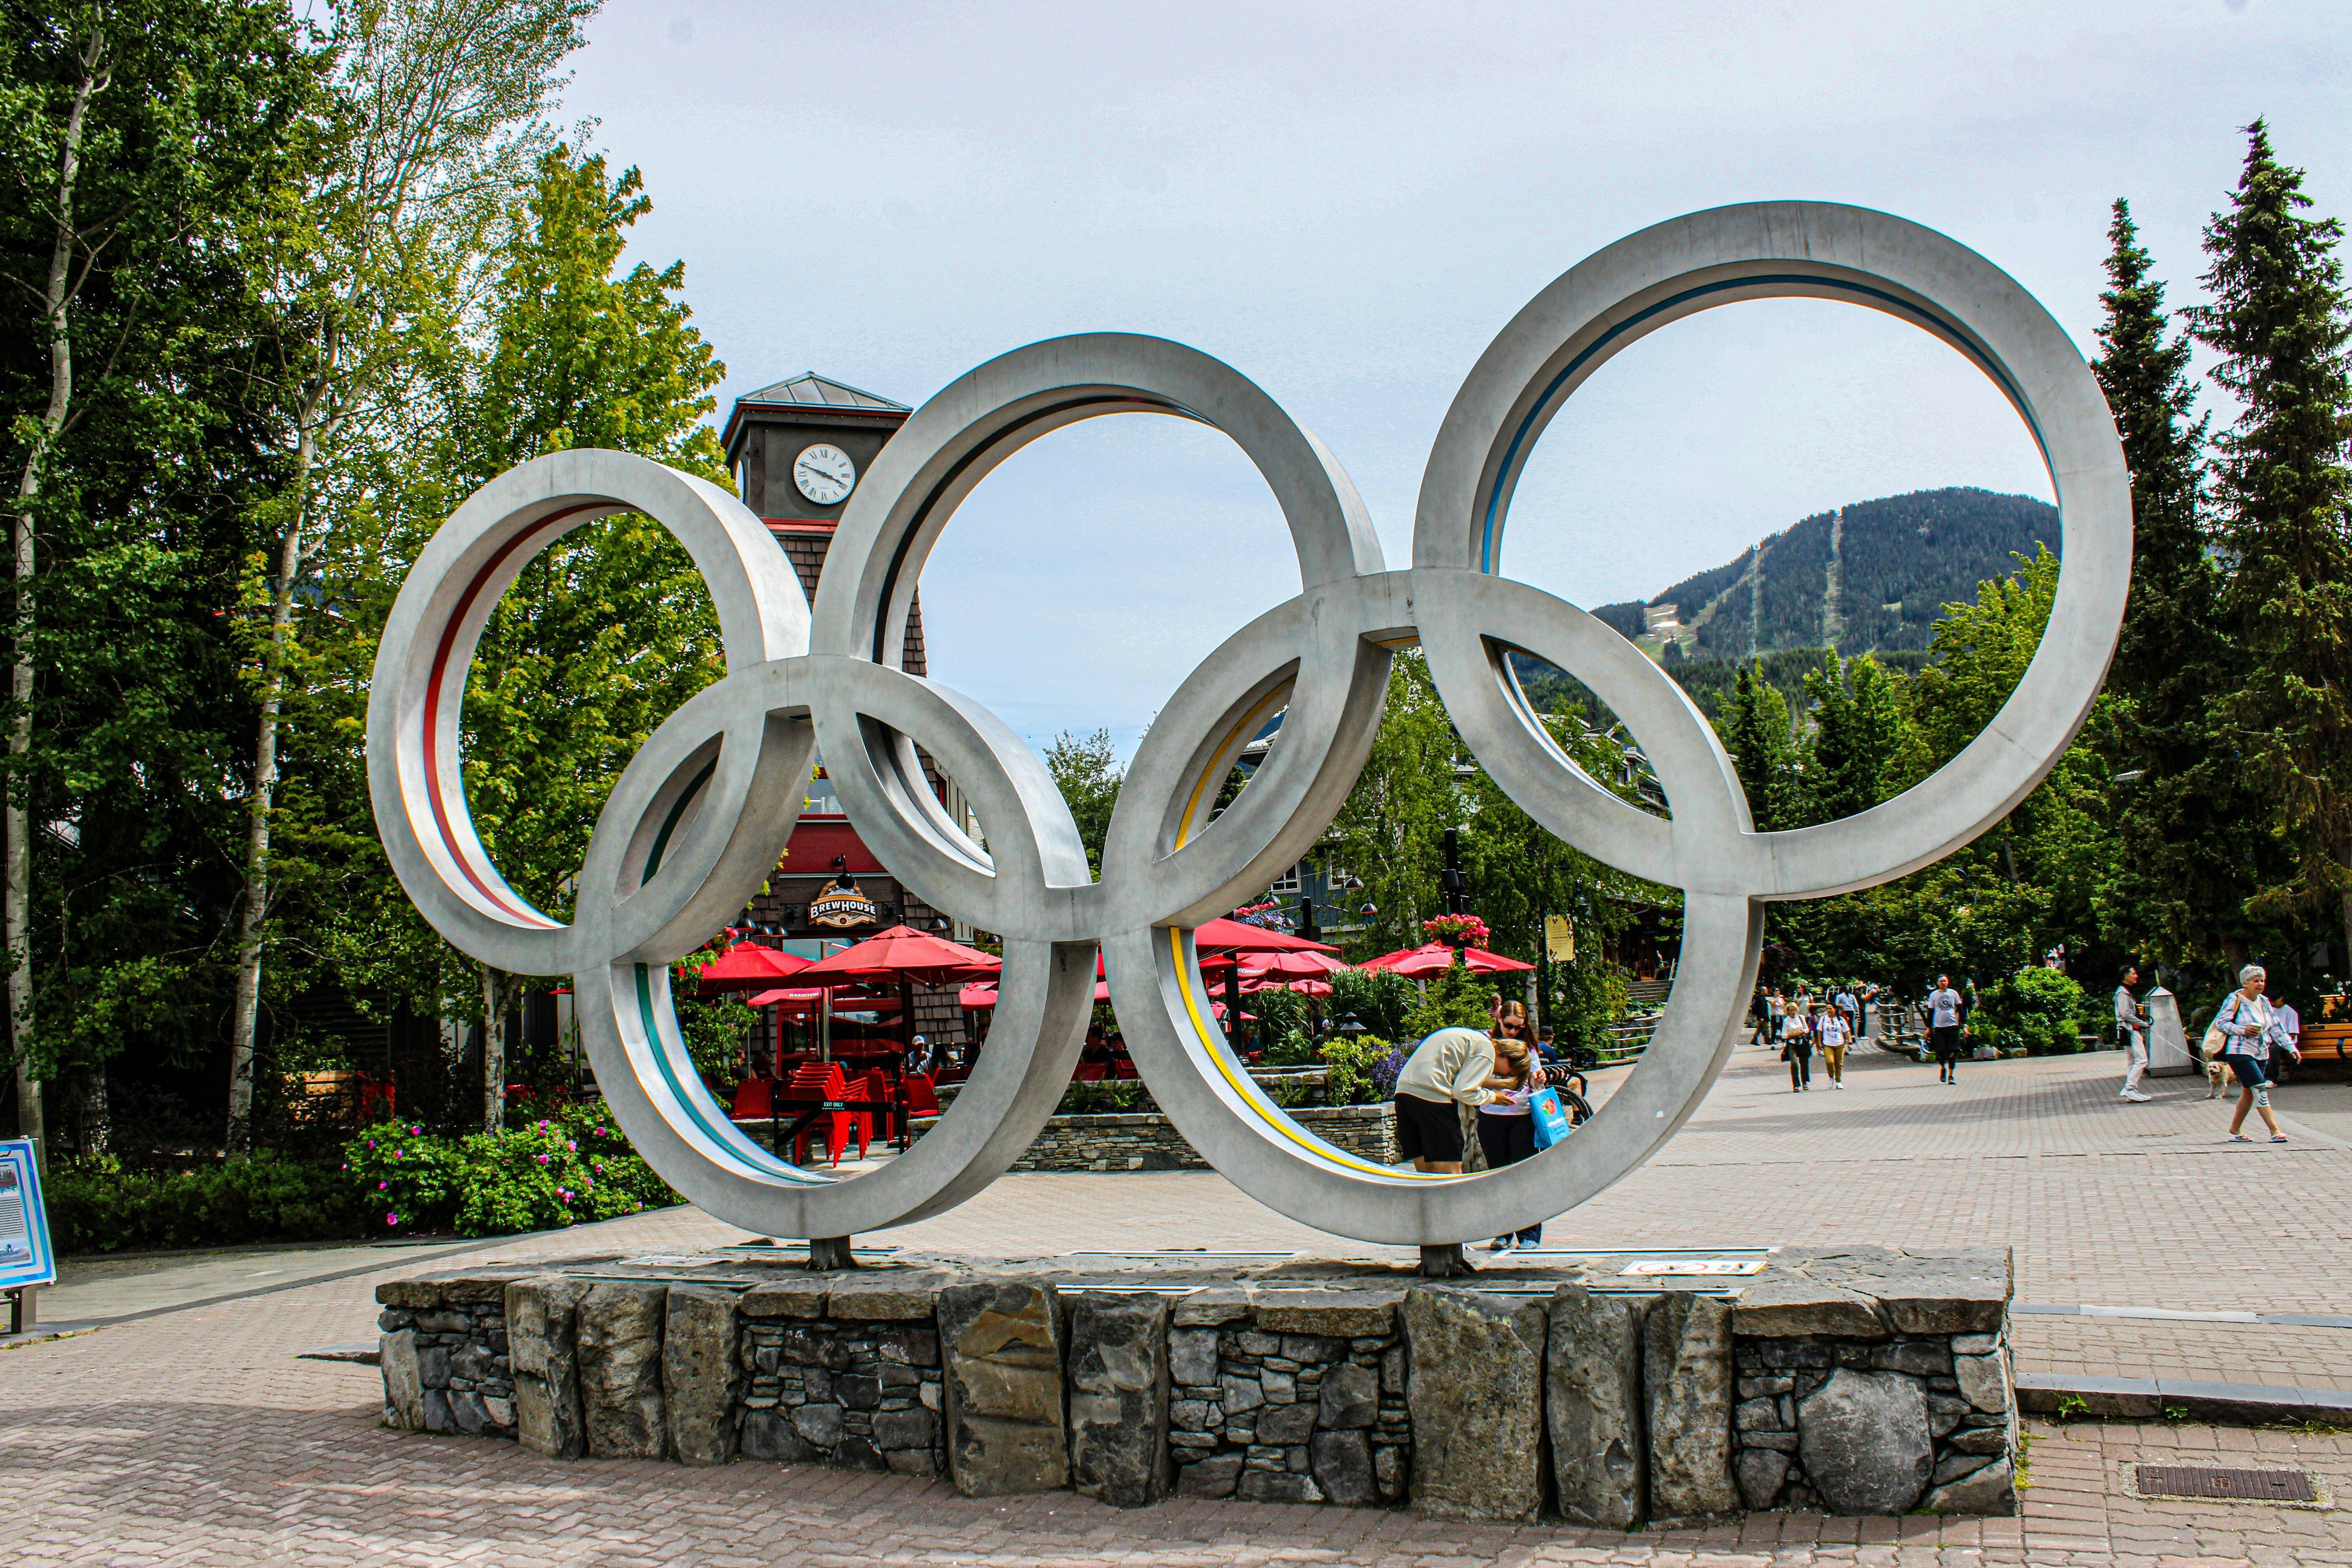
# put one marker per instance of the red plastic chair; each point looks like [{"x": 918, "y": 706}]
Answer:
[
  {"x": 755, "y": 1099},
  {"x": 876, "y": 1085},
  {"x": 1088, "y": 1072},
  {"x": 813, "y": 1083},
  {"x": 922, "y": 1096},
  {"x": 1121, "y": 1067}
]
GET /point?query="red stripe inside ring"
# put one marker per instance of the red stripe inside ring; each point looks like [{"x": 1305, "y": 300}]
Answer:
[{"x": 433, "y": 707}]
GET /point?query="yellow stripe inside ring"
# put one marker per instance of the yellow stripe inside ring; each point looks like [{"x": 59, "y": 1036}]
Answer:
[{"x": 1241, "y": 1084}]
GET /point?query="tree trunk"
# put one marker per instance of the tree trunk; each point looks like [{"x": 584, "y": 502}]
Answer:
[
  {"x": 253, "y": 906},
  {"x": 16, "y": 895},
  {"x": 494, "y": 1053}
]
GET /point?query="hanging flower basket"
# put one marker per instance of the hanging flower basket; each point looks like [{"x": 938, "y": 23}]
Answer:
[{"x": 1457, "y": 930}]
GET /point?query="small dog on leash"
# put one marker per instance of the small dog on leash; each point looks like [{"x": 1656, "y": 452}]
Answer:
[{"x": 2216, "y": 1078}]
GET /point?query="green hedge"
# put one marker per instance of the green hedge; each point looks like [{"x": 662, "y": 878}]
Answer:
[
  {"x": 98, "y": 1206},
  {"x": 396, "y": 1180}
]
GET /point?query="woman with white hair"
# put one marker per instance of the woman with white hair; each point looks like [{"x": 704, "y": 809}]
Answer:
[{"x": 2249, "y": 1027}]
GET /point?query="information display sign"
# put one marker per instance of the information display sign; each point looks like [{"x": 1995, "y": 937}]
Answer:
[{"x": 24, "y": 1254}]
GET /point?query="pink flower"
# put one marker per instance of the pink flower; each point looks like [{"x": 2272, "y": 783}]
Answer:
[
  {"x": 383, "y": 1186},
  {"x": 419, "y": 1132},
  {"x": 392, "y": 1219},
  {"x": 573, "y": 1147},
  {"x": 542, "y": 1159}
]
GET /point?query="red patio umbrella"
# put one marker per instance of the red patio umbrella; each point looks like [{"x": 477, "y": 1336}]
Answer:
[
  {"x": 901, "y": 955},
  {"x": 905, "y": 957},
  {"x": 1222, "y": 935},
  {"x": 1432, "y": 957},
  {"x": 1289, "y": 966},
  {"x": 747, "y": 966}
]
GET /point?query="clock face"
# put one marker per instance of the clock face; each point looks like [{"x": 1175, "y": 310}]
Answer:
[{"x": 824, "y": 473}]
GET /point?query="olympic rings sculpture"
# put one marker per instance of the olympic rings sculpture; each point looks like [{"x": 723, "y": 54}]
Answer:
[{"x": 699, "y": 816}]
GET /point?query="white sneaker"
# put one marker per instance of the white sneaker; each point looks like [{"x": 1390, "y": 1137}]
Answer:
[
  {"x": 1838, "y": 1084},
  {"x": 2136, "y": 1096}
]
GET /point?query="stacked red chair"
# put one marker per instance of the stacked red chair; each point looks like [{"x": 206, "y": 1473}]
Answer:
[{"x": 814, "y": 1084}]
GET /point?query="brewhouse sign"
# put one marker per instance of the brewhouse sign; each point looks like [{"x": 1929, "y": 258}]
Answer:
[{"x": 841, "y": 905}]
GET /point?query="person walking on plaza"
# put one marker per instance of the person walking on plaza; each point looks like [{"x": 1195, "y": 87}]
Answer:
[
  {"x": 1797, "y": 1050},
  {"x": 1851, "y": 1006},
  {"x": 2131, "y": 1033},
  {"x": 1506, "y": 1128},
  {"x": 2250, "y": 1026},
  {"x": 1449, "y": 1068},
  {"x": 1944, "y": 1006},
  {"x": 1836, "y": 1032}
]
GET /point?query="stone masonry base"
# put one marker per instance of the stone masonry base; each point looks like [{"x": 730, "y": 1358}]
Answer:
[{"x": 1855, "y": 1381}]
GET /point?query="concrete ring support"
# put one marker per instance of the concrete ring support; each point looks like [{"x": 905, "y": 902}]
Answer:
[{"x": 699, "y": 816}]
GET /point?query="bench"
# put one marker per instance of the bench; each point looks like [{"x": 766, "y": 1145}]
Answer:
[{"x": 2326, "y": 1042}]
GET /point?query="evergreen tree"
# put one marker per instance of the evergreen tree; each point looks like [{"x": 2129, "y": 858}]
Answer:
[
  {"x": 2184, "y": 830},
  {"x": 2277, "y": 321},
  {"x": 1857, "y": 729},
  {"x": 1756, "y": 733}
]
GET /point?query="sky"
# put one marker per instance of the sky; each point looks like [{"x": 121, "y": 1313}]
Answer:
[{"x": 1347, "y": 202}]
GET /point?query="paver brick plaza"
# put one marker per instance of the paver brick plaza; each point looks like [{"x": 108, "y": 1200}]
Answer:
[{"x": 196, "y": 1436}]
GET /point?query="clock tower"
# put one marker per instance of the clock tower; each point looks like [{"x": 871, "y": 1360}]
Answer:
[{"x": 798, "y": 450}]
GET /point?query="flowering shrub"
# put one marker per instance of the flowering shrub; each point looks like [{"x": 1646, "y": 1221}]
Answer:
[
  {"x": 1363, "y": 1072},
  {"x": 541, "y": 1175},
  {"x": 1467, "y": 928}
]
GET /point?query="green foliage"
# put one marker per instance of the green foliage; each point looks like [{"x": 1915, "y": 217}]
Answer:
[
  {"x": 1457, "y": 996},
  {"x": 1587, "y": 996},
  {"x": 1379, "y": 999},
  {"x": 1391, "y": 829},
  {"x": 714, "y": 1028},
  {"x": 1107, "y": 1098},
  {"x": 1089, "y": 774},
  {"x": 547, "y": 1174},
  {"x": 2035, "y": 1008},
  {"x": 98, "y": 1205},
  {"x": 1757, "y": 734},
  {"x": 1356, "y": 1076}
]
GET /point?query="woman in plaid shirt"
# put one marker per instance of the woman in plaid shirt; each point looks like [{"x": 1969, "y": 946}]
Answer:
[{"x": 2249, "y": 1028}]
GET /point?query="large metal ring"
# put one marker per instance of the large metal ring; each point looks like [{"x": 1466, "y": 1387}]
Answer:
[{"x": 699, "y": 816}]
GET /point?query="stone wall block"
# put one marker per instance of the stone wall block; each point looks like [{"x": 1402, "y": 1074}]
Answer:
[
  {"x": 542, "y": 1340},
  {"x": 702, "y": 1376},
  {"x": 1000, "y": 1343},
  {"x": 1990, "y": 1490},
  {"x": 620, "y": 1341},
  {"x": 403, "y": 1388},
  {"x": 1864, "y": 1441},
  {"x": 1350, "y": 1398},
  {"x": 1594, "y": 1407},
  {"x": 1984, "y": 1381},
  {"x": 1118, "y": 1398},
  {"x": 1476, "y": 1394},
  {"x": 1193, "y": 1357},
  {"x": 1686, "y": 1396}
]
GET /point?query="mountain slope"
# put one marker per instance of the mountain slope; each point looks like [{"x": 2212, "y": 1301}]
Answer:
[{"x": 1892, "y": 565}]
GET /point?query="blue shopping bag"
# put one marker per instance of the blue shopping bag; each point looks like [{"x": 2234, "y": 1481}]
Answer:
[{"x": 1551, "y": 1121}]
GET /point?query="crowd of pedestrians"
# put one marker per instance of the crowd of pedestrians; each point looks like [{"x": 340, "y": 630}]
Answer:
[{"x": 2250, "y": 1039}]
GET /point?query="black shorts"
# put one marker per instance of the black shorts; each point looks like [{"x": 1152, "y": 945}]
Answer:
[
  {"x": 1428, "y": 1129},
  {"x": 2247, "y": 1070},
  {"x": 1947, "y": 1040}
]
